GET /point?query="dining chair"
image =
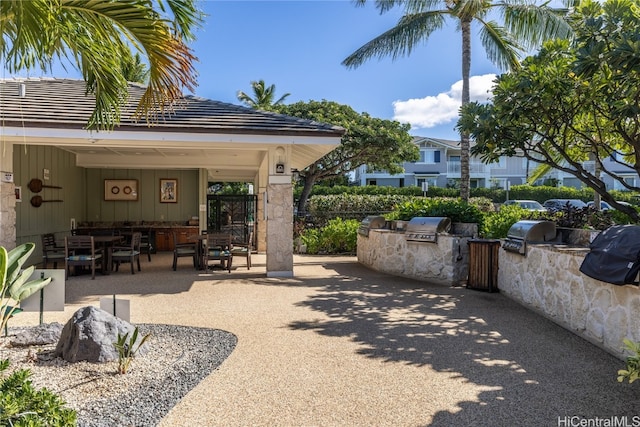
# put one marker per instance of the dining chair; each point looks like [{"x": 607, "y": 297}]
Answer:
[
  {"x": 51, "y": 252},
  {"x": 129, "y": 253},
  {"x": 184, "y": 249},
  {"x": 243, "y": 249},
  {"x": 146, "y": 245},
  {"x": 218, "y": 247},
  {"x": 81, "y": 251}
]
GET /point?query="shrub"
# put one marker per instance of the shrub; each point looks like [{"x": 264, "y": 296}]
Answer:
[
  {"x": 497, "y": 224},
  {"x": 338, "y": 236},
  {"x": 22, "y": 405},
  {"x": 457, "y": 210}
]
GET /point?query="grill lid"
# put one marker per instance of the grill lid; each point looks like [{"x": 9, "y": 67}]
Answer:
[
  {"x": 533, "y": 231},
  {"x": 426, "y": 229},
  {"x": 370, "y": 222}
]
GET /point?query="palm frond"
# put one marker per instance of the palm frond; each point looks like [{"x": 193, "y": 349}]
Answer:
[
  {"x": 500, "y": 46},
  {"x": 399, "y": 40},
  {"x": 97, "y": 35},
  {"x": 534, "y": 24}
]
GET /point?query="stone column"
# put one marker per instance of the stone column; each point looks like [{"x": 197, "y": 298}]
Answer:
[
  {"x": 279, "y": 230},
  {"x": 261, "y": 224}
]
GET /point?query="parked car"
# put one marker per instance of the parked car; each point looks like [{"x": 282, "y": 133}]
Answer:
[
  {"x": 604, "y": 206},
  {"x": 530, "y": 205},
  {"x": 557, "y": 204}
]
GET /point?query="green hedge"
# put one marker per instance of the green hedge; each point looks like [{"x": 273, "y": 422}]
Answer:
[{"x": 526, "y": 192}]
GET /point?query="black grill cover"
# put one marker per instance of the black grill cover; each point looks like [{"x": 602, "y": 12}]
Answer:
[{"x": 614, "y": 256}]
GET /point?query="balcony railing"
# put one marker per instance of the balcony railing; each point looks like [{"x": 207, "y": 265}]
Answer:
[{"x": 475, "y": 169}]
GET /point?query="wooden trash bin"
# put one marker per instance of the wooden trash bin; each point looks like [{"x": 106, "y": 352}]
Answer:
[{"x": 483, "y": 264}]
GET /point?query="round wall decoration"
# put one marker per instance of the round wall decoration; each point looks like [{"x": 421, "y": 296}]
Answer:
[
  {"x": 115, "y": 190},
  {"x": 127, "y": 190}
]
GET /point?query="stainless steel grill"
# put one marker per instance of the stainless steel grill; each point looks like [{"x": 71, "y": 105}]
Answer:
[
  {"x": 371, "y": 222},
  {"x": 426, "y": 229},
  {"x": 527, "y": 231}
]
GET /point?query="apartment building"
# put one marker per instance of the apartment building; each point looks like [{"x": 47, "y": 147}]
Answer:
[{"x": 439, "y": 166}]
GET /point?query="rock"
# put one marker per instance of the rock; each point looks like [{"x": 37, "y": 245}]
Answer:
[
  {"x": 47, "y": 333},
  {"x": 90, "y": 335}
]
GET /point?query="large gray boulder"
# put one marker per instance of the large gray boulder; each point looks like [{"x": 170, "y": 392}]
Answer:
[{"x": 90, "y": 335}]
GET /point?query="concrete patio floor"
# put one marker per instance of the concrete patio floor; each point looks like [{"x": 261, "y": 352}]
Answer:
[{"x": 342, "y": 345}]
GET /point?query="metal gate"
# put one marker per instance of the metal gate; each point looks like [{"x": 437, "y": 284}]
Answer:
[{"x": 233, "y": 214}]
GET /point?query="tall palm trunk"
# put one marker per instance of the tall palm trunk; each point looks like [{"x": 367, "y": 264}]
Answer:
[{"x": 464, "y": 136}]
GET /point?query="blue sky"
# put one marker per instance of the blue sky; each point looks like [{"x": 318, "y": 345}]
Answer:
[{"x": 299, "y": 45}]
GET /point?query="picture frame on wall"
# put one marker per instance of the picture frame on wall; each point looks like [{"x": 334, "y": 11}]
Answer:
[
  {"x": 168, "y": 191},
  {"x": 121, "y": 189}
]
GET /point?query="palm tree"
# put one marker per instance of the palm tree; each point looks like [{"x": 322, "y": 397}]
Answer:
[
  {"x": 95, "y": 36},
  {"x": 262, "y": 96},
  {"x": 133, "y": 69},
  {"x": 525, "y": 27}
]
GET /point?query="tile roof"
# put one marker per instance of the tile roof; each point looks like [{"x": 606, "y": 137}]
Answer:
[{"x": 63, "y": 103}]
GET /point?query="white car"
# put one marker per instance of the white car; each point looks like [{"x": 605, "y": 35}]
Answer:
[{"x": 530, "y": 205}]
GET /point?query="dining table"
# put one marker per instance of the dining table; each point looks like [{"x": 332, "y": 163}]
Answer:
[
  {"x": 106, "y": 243},
  {"x": 201, "y": 247}
]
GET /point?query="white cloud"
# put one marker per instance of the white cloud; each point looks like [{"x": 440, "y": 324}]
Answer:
[{"x": 443, "y": 108}]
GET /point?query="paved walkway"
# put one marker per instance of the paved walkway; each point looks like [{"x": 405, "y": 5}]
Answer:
[{"x": 342, "y": 345}]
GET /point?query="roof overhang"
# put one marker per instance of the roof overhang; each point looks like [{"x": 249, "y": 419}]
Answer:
[{"x": 228, "y": 157}]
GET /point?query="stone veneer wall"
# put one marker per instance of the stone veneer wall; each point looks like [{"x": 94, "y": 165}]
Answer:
[
  {"x": 549, "y": 281},
  {"x": 7, "y": 215},
  {"x": 445, "y": 262},
  {"x": 279, "y": 230}
]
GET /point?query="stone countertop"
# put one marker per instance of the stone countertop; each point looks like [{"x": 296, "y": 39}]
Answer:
[{"x": 145, "y": 225}]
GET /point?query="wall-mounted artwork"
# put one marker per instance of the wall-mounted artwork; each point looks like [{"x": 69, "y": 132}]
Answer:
[
  {"x": 168, "y": 191},
  {"x": 121, "y": 189}
]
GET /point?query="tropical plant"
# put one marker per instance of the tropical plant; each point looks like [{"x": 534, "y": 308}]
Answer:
[
  {"x": 632, "y": 372},
  {"x": 525, "y": 26},
  {"x": 337, "y": 237},
  {"x": 15, "y": 285},
  {"x": 574, "y": 102},
  {"x": 380, "y": 144},
  {"x": 127, "y": 349},
  {"x": 94, "y": 36},
  {"x": 22, "y": 405},
  {"x": 456, "y": 209},
  {"x": 263, "y": 96},
  {"x": 497, "y": 224},
  {"x": 133, "y": 69}
]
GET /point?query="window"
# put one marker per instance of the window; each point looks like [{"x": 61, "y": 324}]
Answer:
[
  {"x": 429, "y": 155},
  {"x": 372, "y": 182},
  {"x": 429, "y": 179}
]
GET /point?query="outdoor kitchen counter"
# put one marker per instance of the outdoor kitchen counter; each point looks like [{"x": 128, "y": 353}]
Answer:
[{"x": 160, "y": 234}]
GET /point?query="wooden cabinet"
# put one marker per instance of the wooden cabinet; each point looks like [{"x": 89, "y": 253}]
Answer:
[
  {"x": 164, "y": 240},
  {"x": 164, "y": 236}
]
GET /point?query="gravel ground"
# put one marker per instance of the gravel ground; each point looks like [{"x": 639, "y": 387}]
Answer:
[{"x": 176, "y": 360}]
